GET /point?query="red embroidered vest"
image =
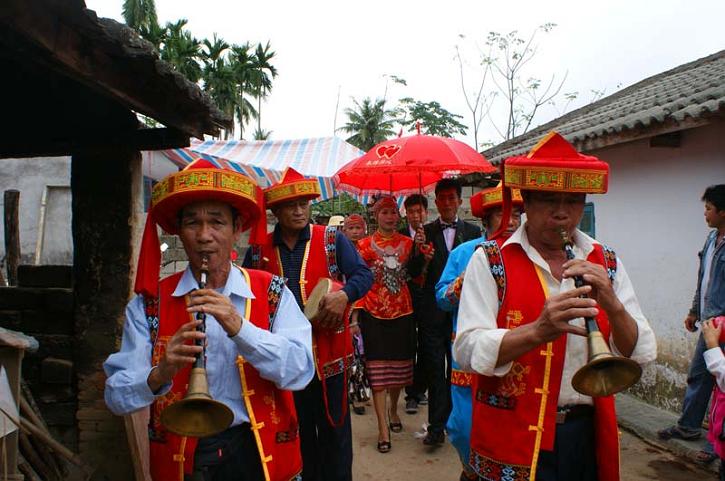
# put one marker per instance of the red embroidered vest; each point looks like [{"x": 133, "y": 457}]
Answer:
[
  {"x": 525, "y": 399},
  {"x": 271, "y": 411},
  {"x": 333, "y": 349}
]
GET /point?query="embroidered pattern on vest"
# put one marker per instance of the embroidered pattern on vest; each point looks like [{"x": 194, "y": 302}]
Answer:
[
  {"x": 491, "y": 470},
  {"x": 512, "y": 386},
  {"x": 461, "y": 378},
  {"x": 495, "y": 264},
  {"x": 274, "y": 296},
  {"x": 151, "y": 309},
  {"x": 336, "y": 367},
  {"x": 610, "y": 262},
  {"x": 331, "y": 251}
]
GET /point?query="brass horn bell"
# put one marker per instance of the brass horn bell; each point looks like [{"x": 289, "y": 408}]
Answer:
[
  {"x": 605, "y": 374},
  {"x": 197, "y": 415}
]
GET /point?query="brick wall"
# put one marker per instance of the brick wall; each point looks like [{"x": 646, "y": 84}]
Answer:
[{"x": 47, "y": 315}]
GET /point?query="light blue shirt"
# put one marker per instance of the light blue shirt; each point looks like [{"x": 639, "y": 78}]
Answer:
[{"x": 282, "y": 355}]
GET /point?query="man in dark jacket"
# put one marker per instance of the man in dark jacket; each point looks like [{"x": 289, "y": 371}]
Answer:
[
  {"x": 445, "y": 233},
  {"x": 416, "y": 214}
]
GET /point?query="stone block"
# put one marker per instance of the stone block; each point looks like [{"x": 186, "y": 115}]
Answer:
[
  {"x": 47, "y": 322},
  {"x": 45, "y": 276},
  {"x": 10, "y": 319},
  {"x": 56, "y": 371}
]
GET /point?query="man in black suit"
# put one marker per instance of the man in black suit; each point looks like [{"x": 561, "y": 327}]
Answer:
[
  {"x": 416, "y": 213},
  {"x": 445, "y": 233}
]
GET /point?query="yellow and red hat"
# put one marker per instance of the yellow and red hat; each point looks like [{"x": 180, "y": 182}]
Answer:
[
  {"x": 555, "y": 165},
  {"x": 292, "y": 186},
  {"x": 200, "y": 180},
  {"x": 483, "y": 201}
]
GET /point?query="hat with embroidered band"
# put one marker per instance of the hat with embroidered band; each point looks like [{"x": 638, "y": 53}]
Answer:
[
  {"x": 487, "y": 199},
  {"x": 292, "y": 186},
  {"x": 555, "y": 165},
  {"x": 199, "y": 181}
]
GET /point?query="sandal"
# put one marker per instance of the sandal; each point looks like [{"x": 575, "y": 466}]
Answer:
[
  {"x": 384, "y": 446},
  {"x": 395, "y": 427},
  {"x": 679, "y": 433},
  {"x": 704, "y": 457}
]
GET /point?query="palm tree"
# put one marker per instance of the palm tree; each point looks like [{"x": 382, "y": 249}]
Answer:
[
  {"x": 369, "y": 123},
  {"x": 140, "y": 15},
  {"x": 263, "y": 74},
  {"x": 182, "y": 50},
  {"x": 260, "y": 134},
  {"x": 242, "y": 64},
  {"x": 218, "y": 76}
]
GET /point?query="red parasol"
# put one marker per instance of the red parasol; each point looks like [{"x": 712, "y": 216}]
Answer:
[{"x": 408, "y": 165}]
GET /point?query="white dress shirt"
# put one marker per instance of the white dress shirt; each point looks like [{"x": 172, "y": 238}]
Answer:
[
  {"x": 282, "y": 355},
  {"x": 450, "y": 234},
  {"x": 478, "y": 340}
]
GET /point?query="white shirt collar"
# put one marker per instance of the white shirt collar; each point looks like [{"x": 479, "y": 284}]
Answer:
[
  {"x": 583, "y": 245},
  {"x": 236, "y": 284}
]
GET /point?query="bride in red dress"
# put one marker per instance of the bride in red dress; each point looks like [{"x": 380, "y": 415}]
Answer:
[{"x": 386, "y": 320}]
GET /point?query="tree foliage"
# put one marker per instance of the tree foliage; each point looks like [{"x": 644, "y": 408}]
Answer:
[
  {"x": 236, "y": 77},
  {"x": 369, "y": 122},
  {"x": 503, "y": 63},
  {"x": 432, "y": 118}
]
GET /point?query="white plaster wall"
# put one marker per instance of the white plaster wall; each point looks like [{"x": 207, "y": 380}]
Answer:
[
  {"x": 30, "y": 177},
  {"x": 653, "y": 217}
]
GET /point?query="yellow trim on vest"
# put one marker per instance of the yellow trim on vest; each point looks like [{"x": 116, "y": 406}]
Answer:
[
  {"x": 180, "y": 458},
  {"x": 247, "y": 393},
  {"x": 544, "y": 389},
  {"x": 303, "y": 270}
]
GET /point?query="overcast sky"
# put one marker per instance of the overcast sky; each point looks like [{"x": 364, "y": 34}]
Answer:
[{"x": 326, "y": 47}]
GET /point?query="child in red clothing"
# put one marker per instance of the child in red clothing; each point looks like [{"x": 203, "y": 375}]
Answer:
[{"x": 715, "y": 362}]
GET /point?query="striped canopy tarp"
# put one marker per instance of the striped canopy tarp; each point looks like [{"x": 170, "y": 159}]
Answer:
[{"x": 265, "y": 161}]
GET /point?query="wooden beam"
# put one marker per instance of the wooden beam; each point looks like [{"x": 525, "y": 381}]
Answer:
[
  {"x": 12, "y": 235},
  {"x": 94, "y": 142},
  {"x": 110, "y": 58}
]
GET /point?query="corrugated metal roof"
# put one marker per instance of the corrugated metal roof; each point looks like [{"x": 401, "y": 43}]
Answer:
[{"x": 670, "y": 100}]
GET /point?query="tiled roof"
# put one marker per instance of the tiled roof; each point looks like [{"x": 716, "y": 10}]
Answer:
[{"x": 670, "y": 101}]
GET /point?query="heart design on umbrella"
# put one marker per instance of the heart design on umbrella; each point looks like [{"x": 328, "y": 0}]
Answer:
[{"x": 387, "y": 151}]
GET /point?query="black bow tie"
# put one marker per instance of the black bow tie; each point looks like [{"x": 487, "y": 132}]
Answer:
[{"x": 445, "y": 225}]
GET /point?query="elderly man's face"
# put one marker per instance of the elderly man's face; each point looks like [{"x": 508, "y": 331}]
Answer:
[
  {"x": 292, "y": 215},
  {"x": 207, "y": 229},
  {"x": 547, "y": 213}
]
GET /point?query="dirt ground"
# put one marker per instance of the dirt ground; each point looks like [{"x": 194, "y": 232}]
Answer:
[{"x": 410, "y": 460}]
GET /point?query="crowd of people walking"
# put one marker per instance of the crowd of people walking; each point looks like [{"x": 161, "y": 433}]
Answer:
[{"x": 488, "y": 328}]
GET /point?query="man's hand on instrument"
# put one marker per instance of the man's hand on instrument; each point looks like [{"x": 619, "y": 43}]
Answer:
[
  {"x": 595, "y": 276},
  {"x": 180, "y": 351},
  {"x": 218, "y": 305},
  {"x": 560, "y": 309},
  {"x": 332, "y": 307},
  {"x": 690, "y": 321}
]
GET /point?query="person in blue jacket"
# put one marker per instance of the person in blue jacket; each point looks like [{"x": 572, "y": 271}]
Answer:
[{"x": 486, "y": 205}]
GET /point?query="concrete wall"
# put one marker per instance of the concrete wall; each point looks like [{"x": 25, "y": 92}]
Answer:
[
  {"x": 653, "y": 218},
  {"x": 31, "y": 177}
]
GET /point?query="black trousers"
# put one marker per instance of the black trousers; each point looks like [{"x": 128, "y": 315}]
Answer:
[
  {"x": 419, "y": 386},
  {"x": 437, "y": 328},
  {"x": 574, "y": 455},
  {"x": 231, "y": 455},
  {"x": 326, "y": 450}
]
